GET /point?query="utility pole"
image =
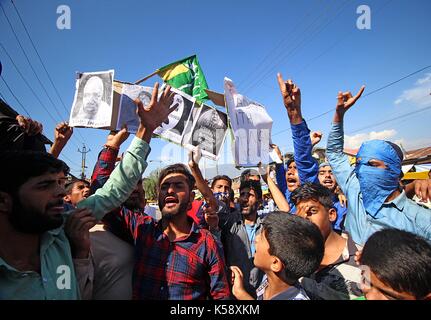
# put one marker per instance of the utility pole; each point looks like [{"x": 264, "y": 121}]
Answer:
[{"x": 84, "y": 154}]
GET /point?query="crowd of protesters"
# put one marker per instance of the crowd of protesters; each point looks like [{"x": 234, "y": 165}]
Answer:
[{"x": 332, "y": 231}]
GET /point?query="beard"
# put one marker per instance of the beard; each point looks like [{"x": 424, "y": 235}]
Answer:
[
  {"x": 250, "y": 210},
  {"x": 169, "y": 215},
  {"x": 33, "y": 221}
]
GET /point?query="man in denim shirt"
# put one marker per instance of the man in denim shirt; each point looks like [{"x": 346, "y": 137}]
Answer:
[{"x": 372, "y": 188}]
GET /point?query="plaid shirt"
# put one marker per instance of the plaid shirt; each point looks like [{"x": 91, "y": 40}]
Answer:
[
  {"x": 191, "y": 267},
  {"x": 103, "y": 168}
]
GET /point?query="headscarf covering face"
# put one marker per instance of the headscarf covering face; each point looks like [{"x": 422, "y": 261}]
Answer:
[{"x": 377, "y": 183}]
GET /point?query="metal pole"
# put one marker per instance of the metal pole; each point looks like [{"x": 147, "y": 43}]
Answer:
[{"x": 84, "y": 154}]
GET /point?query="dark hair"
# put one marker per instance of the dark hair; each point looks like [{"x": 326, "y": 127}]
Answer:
[
  {"x": 397, "y": 149},
  {"x": 231, "y": 194},
  {"x": 289, "y": 161},
  {"x": 251, "y": 184},
  {"x": 313, "y": 191},
  {"x": 221, "y": 177},
  {"x": 297, "y": 242},
  {"x": 401, "y": 260},
  {"x": 69, "y": 185},
  {"x": 247, "y": 173},
  {"x": 177, "y": 168},
  {"x": 17, "y": 167}
]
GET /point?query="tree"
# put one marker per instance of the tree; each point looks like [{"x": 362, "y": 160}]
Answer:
[{"x": 150, "y": 185}]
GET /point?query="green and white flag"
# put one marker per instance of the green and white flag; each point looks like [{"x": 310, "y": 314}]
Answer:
[{"x": 186, "y": 75}]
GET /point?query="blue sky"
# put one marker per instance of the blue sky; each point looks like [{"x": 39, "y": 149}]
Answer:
[{"x": 314, "y": 42}]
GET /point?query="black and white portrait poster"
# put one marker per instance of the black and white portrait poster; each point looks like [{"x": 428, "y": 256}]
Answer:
[
  {"x": 127, "y": 110},
  {"x": 92, "y": 105},
  {"x": 173, "y": 128},
  {"x": 209, "y": 131}
]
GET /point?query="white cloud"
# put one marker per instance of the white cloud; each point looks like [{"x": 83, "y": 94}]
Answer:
[
  {"x": 353, "y": 142},
  {"x": 419, "y": 95},
  {"x": 411, "y": 144}
]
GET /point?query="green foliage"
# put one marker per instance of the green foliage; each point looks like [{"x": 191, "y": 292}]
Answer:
[{"x": 150, "y": 185}]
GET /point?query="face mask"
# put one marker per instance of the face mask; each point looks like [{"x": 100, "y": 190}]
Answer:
[
  {"x": 377, "y": 183},
  {"x": 222, "y": 196}
]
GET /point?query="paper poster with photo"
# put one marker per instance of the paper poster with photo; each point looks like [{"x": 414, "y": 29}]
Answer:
[
  {"x": 92, "y": 104},
  {"x": 174, "y": 128},
  {"x": 127, "y": 109},
  {"x": 208, "y": 132},
  {"x": 251, "y": 126}
]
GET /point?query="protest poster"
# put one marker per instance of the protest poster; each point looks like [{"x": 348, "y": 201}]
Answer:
[
  {"x": 208, "y": 132},
  {"x": 251, "y": 126},
  {"x": 93, "y": 100},
  {"x": 174, "y": 128},
  {"x": 127, "y": 115}
]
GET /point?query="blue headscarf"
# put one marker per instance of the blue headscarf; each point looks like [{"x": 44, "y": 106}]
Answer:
[{"x": 376, "y": 183}]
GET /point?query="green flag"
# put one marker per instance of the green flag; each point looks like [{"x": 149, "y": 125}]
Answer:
[{"x": 186, "y": 75}]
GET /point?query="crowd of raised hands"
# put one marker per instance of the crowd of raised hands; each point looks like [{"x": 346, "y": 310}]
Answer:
[{"x": 329, "y": 230}]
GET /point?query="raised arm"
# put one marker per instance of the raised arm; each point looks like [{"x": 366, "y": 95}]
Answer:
[
  {"x": 277, "y": 195},
  {"x": 128, "y": 172},
  {"x": 334, "y": 151},
  {"x": 62, "y": 134},
  {"x": 106, "y": 160},
  {"x": 306, "y": 165},
  {"x": 280, "y": 172},
  {"x": 211, "y": 216}
]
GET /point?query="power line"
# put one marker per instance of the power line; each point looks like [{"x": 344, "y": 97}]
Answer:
[
  {"x": 31, "y": 89},
  {"x": 364, "y": 96},
  {"x": 281, "y": 57},
  {"x": 28, "y": 85},
  {"x": 407, "y": 114},
  {"x": 69, "y": 160},
  {"x": 11, "y": 92},
  {"x": 3, "y": 98},
  {"x": 28, "y": 113},
  {"x": 28, "y": 60},
  {"x": 261, "y": 74},
  {"x": 40, "y": 59},
  {"x": 343, "y": 37},
  {"x": 43, "y": 64},
  {"x": 274, "y": 49}
]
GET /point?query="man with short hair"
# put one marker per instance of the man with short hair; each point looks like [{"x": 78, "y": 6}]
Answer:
[
  {"x": 372, "y": 188},
  {"x": 239, "y": 232},
  {"x": 250, "y": 174},
  {"x": 76, "y": 191},
  {"x": 221, "y": 186},
  {"x": 287, "y": 249},
  {"x": 33, "y": 243},
  {"x": 338, "y": 277},
  {"x": 327, "y": 179},
  {"x": 397, "y": 266},
  {"x": 174, "y": 258}
]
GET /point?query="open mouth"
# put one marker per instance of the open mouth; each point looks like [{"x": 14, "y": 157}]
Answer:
[
  {"x": 171, "y": 202},
  {"x": 291, "y": 182},
  {"x": 244, "y": 208}
]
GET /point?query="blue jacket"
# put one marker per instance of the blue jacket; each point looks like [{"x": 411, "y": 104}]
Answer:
[{"x": 306, "y": 165}]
